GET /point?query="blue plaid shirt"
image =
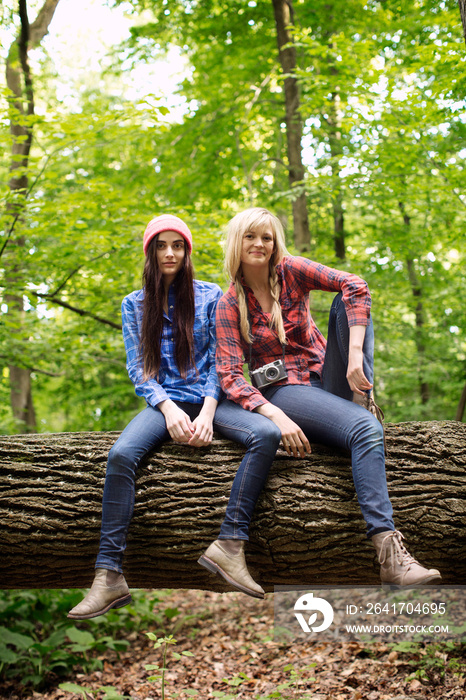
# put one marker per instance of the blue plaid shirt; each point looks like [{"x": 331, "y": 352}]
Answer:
[{"x": 170, "y": 384}]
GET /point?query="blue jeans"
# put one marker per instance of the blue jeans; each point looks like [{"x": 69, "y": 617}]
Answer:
[
  {"x": 145, "y": 433},
  {"x": 325, "y": 413}
]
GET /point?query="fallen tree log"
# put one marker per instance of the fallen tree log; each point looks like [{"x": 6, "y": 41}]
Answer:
[{"x": 307, "y": 529}]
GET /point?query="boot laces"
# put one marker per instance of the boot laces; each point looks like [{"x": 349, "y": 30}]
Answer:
[
  {"x": 375, "y": 410},
  {"x": 394, "y": 542}
]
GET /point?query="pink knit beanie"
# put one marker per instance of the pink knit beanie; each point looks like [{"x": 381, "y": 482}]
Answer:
[{"x": 167, "y": 222}]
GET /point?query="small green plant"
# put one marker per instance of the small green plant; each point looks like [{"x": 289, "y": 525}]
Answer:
[
  {"x": 109, "y": 691},
  {"x": 237, "y": 680},
  {"x": 296, "y": 676},
  {"x": 432, "y": 661},
  {"x": 165, "y": 642},
  {"x": 433, "y": 664}
]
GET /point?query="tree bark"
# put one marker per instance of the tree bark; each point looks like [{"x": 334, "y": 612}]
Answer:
[
  {"x": 283, "y": 13},
  {"x": 462, "y": 4},
  {"x": 419, "y": 312},
  {"x": 461, "y": 405},
  {"x": 331, "y": 114},
  {"x": 19, "y": 82},
  {"x": 307, "y": 528},
  {"x": 336, "y": 152}
]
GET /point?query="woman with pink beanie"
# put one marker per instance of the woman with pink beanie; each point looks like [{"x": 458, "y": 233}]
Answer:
[{"x": 170, "y": 342}]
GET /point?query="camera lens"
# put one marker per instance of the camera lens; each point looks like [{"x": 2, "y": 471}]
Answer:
[{"x": 271, "y": 373}]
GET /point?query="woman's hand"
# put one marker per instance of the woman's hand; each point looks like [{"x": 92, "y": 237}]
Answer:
[
  {"x": 357, "y": 380},
  {"x": 203, "y": 431},
  {"x": 293, "y": 439},
  {"x": 203, "y": 424},
  {"x": 178, "y": 422}
]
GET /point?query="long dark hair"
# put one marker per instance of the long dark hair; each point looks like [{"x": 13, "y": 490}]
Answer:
[{"x": 152, "y": 314}]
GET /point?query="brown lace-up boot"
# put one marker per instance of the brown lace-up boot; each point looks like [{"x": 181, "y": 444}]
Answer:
[
  {"x": 367, "y": 402},
  {"x": 397, "y": 566}
]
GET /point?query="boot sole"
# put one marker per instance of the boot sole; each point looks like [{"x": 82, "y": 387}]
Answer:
[
  {"x": 216, "y": 569},
  {"x": 398, "y": 586},
  {"x": 119, "y": 603}
]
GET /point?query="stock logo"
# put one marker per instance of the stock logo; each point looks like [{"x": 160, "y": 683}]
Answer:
[{"x": 311, "y": 606}]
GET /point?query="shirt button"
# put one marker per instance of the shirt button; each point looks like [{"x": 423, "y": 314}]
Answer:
[{"x": 171, "y": 307}]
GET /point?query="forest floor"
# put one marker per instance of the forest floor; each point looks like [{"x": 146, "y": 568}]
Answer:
[{"x": 234, "y": 655}]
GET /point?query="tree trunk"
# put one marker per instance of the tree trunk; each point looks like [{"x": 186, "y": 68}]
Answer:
[
  {"x": 294, "y": 128},
  {"x": 307, "y": 527},
  {"x": 19, "y": 82},
  {"x": 462, "y": 4},
  {"x": 333, "y": 120},
  {"x": 416, "y": 290},
  {"x": 461, "y": 405},
  {"x": 336, "y": 152}
]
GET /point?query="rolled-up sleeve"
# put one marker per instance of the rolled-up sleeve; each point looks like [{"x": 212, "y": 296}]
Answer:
[
  {"x": 150, "y": 390},
  {"x": 212, "y": 385},
  {"x": 356, "y": 297}
]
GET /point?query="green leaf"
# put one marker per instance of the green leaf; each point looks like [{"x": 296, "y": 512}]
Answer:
[
  {"x": 7, "y": 656},
  {"x": 21, "y": 641},
  {"x": 78, "y": 689},
  {"x": 81, "y": 637}
]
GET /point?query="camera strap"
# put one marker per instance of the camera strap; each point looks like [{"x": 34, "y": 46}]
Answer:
[{"x": 251, "y": 335}]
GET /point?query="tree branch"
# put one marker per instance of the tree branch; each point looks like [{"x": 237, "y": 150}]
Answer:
[
  {"x": 80, "y": 312},
  {"x": 40, "y": 27},
  {"x": 67, "y": 279},
  {"x": 32, "y": 369}
]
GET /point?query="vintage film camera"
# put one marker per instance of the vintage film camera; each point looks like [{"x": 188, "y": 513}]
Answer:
[{"x": 268, "y": 374}]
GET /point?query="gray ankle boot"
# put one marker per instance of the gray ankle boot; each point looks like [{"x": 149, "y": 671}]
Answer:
[
  {"x": 107, "y": 591},
  {"x": 232, "y": 567},
  {"x": 397, "y": 566}
]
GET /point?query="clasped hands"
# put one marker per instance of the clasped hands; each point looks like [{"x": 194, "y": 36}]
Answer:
[{"x": 196, "y": 433}]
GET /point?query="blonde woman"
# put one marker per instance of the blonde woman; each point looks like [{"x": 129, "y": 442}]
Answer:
[{"x": 310, "y": 388}]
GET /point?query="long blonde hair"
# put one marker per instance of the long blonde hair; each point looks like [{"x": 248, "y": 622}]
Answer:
[{"x": 251, "y": 220}]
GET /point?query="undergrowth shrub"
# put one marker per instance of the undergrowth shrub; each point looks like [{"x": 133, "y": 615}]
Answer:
[{"x": 37, "y": 639}]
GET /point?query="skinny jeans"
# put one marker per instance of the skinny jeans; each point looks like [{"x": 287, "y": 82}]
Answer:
[
  {"x": 324, "y": 411},
  {"x": 259, "y": 435}
]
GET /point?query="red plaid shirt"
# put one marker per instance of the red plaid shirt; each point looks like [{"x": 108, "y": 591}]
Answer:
[{"x": 305, "y": 350}]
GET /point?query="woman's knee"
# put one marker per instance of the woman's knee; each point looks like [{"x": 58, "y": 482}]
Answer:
[
  {"x": 369, "y": 430},
  {"x": 267, "y": 435},
  {"x": 121, "y": 459}
]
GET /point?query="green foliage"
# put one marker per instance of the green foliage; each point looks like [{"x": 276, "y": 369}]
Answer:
[
  {"x": 109, "y": 692},
  {"x": 432, "y": 661},
  {"x": 160, "y": 671},
  {"x": 37, "y": 638},
  {"x": 298, "y": 681},
  {"x": 382, "y": 102}
]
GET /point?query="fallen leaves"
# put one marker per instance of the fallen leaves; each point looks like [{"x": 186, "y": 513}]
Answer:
[{"x": 229, "y": 636}]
